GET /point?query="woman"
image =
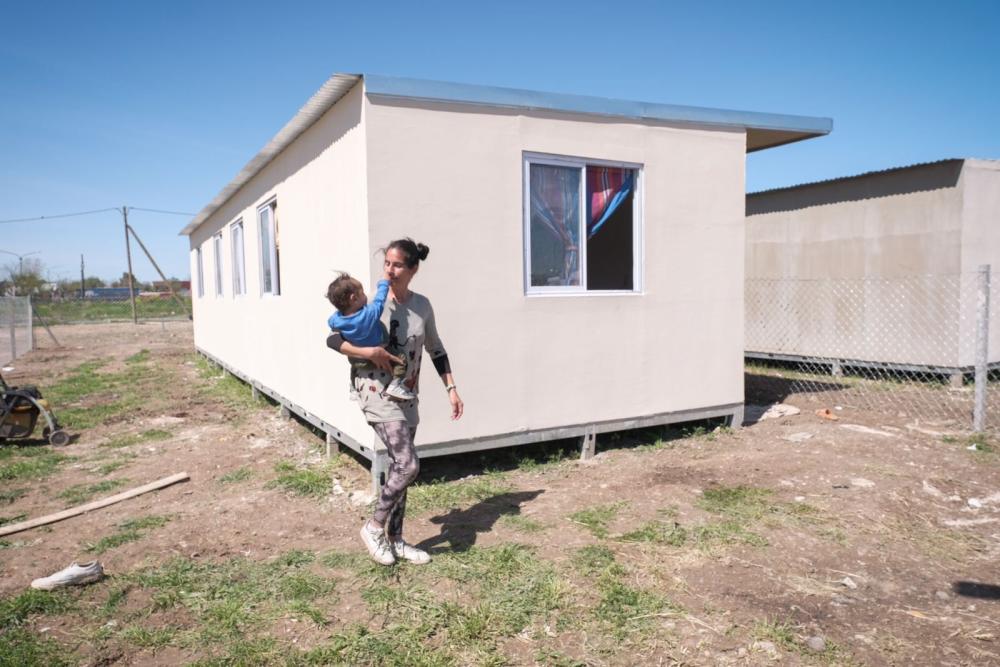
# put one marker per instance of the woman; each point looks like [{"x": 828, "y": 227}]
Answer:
[{"x": 410, "y": 322}]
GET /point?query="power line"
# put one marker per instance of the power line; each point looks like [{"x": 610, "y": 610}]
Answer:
[
  {"x": 61, "y": 215},
  {"x": 156, "y": 210}
]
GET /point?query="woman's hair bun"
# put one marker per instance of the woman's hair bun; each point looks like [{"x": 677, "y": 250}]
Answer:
[{"x": 422, "y": 251}]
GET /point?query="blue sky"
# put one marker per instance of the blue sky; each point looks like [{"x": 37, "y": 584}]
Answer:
[{"x": 159, "y": 105}]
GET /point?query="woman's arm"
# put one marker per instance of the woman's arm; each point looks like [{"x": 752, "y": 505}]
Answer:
[
  {"x": 457, "y": 406},
  {"x": 377, "y": 355}
]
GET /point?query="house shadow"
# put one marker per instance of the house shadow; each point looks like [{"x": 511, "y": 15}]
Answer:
[{"x": 461, "y": 527}]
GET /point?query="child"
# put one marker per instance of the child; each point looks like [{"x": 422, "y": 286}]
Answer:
[{"x": 359, "y": 323}]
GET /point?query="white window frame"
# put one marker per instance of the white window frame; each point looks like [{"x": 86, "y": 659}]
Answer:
[
  {"x": 272, "y": 250},
  {"x": 239, "y": 257},
  {"x": 201, "y": 272},
  {"x": 217, "y": 258},
  {"x": 638, "y": 222}
]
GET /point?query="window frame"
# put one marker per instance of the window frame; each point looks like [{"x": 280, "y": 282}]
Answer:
[
  {"x": 272, "y": 250},
  {"x": 638, "y": 219},
  {"x": 217, "y": 259},
  {"x": 201, "y": 272},
  {"x": 239, "y": 268}
]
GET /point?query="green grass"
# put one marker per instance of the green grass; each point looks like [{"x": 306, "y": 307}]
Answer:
[
  {"x": 88, "y": 396},
  {"x": 128, "y": 531},
  {"x": 238, "y": 475},
  {"x": 81, "y": 493},
  {"x": 5, "y": 520},
  {"x": 9, "y": 496},
  {"x": 786, "y": 636},
  {"x": 131, "y": 439},
  {"x": 625, "y": 610},
  {"x": 311, "y": 482},
  {"x": 62, "y": 312},
  {"x": 521, "y": 523},
  {"x": 232, "y": 391},
  {"x": 744, "y": 502},
  {"x": 440, "y": 495},
  {"x": 28, "y": 463},
  {"x": 596, "y": 519},
  {"x": 117, "y": 464},
  {"x": 229, "y": 599}
]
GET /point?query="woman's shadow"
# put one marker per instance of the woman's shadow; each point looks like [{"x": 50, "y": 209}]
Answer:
[{"x": 460, "y": 527}]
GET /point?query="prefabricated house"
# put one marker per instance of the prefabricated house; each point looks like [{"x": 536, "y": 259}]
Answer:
[
  {"x": 879, "y": 269},
  {"x": 586, "y": 264}
]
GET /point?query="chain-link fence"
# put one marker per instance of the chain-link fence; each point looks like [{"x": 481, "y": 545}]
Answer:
[
  {"x": 110, "y": 305},
  {"x": 16, "y": 335},
  {"x": 925, "y": 348}
]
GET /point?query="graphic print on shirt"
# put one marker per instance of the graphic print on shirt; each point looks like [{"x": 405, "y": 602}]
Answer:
[{"x": 406, "y": 350}]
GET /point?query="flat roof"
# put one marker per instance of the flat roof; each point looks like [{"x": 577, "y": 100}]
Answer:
[{"x": 764, "y": 130}]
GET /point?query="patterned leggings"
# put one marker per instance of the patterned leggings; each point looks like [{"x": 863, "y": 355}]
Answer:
[{"x": 391, "y": 506}]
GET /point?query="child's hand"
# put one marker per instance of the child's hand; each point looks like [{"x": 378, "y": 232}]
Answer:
[{"x": 385, "y": 275}]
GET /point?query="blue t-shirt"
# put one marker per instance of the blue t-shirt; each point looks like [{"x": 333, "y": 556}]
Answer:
[{"x": 363, "y": 328}]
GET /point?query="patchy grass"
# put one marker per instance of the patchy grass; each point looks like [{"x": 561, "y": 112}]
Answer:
[
  {"x": 29, "y": 463},
  {"x": 140, "y": 357},
  {"x": 312, "y": 482},
  {"x": 132, "y": 530},
  {"x": 81, "y": 493},
  {"x": 131, "y": 439},
  {"x": 118, "y": 463},
  {"x": 9, "y": 496},
  {"x": 624, "y": 609},
  {"x": 5, "y": 520},
  {"x": 596, "y": 519},
  {"x": 440, "y": 495},
  {"x": 232, "y": 391},
  {"x": 19, "y": 645},
  {"x": 238, "y": 475},
  {"x": 521, "y": 523},
  {"x": 787, "y": 636},
  {"x": 87, "y": 396},
  {"x": 232, "y": 598}
]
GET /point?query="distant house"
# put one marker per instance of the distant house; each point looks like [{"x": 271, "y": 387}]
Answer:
[
  {"x": 584, "y": 268},
  {"x": 878, "y": 267}
]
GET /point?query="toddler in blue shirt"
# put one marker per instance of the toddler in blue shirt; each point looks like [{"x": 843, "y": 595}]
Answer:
[{"x": 359, "y": 322}]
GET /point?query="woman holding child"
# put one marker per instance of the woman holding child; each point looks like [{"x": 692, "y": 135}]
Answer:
[{"x": 409, "y": 320}]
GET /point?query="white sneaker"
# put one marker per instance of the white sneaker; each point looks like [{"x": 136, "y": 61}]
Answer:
[
  {"x": 410, "y": 553},
  {"x": 378, "y": 545},
  {"x": 74, "y": 575},
  {"x": 397, "y": 391}
]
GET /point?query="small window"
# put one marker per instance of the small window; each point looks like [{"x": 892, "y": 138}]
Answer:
[
  {"x": 581, "y": 226},
  {"x": 217, "y": 258},
  {"x": 239, "y": 268},
  {"x": 201, "y": 272},
  {"x": 270, "y": 265}
]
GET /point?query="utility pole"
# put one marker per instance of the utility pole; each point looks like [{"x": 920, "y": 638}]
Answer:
[
  {"x": 128, "y": 254},
  {"x": 81, "y": 278}
]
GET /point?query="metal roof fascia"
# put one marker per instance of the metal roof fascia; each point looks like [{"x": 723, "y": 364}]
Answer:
[
  {"x": 441, "y": 91},
  {"x": 329, "y": 94}
]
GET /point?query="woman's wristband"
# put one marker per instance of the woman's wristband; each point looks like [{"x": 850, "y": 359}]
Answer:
[{"x": 449, "y": 387}]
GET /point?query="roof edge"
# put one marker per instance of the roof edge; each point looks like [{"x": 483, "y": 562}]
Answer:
[
  {"x": 322, "y": 100},
  {"x": 491, "y": 96}
]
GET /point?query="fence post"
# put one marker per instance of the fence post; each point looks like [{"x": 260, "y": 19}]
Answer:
[
  {"x": 982, "y": 345},
  {"x": 31, "y": 327},
  {"x": 13, "y": 327}
]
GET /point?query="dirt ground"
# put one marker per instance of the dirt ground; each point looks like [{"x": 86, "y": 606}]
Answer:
[{"x": 870, "y": 539}]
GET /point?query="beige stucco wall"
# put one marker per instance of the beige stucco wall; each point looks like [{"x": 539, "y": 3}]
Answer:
[
  {"x": 981, "y": 243},
  {"x": 452, "y": 178},
  {"x": 876, "y": 268},
  {"x": 319, "y": 182}
]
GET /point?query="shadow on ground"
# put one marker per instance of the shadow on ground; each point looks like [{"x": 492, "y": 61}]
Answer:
[{"x": 461, "y": 527}]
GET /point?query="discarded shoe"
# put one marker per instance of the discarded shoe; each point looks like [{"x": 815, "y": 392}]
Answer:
[{"x": 76, "y": 574}]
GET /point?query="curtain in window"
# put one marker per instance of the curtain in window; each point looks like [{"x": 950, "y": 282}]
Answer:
[
  {"x": 607, "y": 188},
  {"x": 555, "y": 204}
]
